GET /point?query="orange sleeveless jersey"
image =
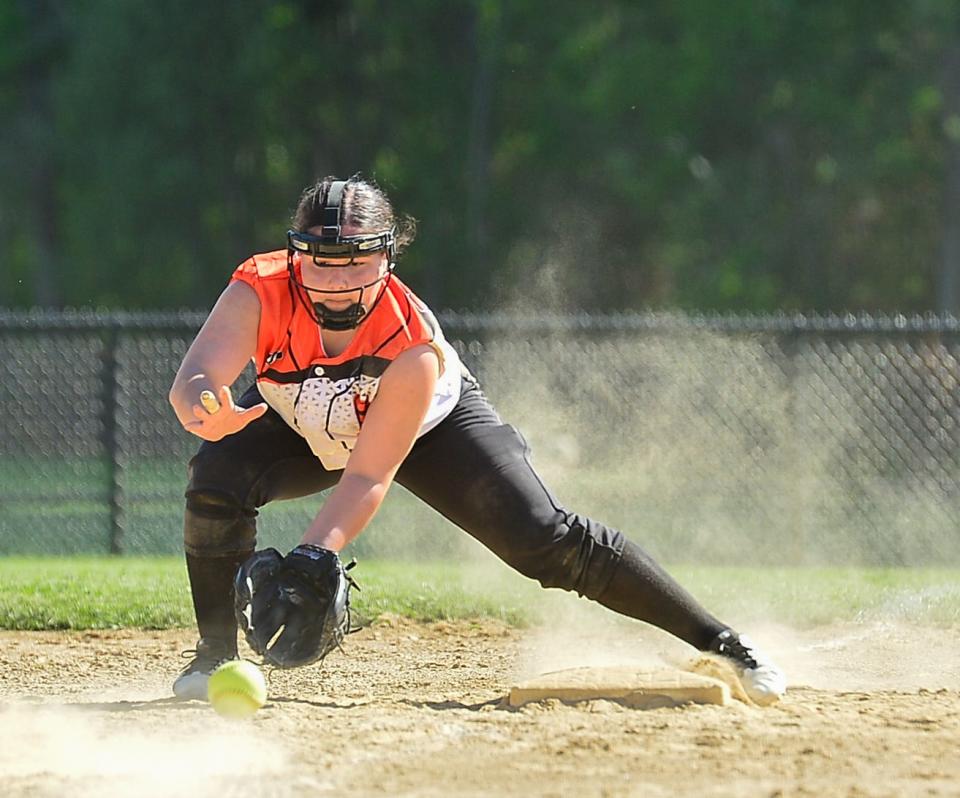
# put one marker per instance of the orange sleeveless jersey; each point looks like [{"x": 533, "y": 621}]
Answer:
[{"x": 325, "y": 398}]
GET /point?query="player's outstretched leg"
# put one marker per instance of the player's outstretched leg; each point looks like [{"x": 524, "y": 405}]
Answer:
[
  {"x": 641, "y": 589},
  {"x": 475, "y": 470}
]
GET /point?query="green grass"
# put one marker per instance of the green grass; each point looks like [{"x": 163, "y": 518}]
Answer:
[
  {"x": 152, "y": 593},
  {"x": 809, "y": 596}
]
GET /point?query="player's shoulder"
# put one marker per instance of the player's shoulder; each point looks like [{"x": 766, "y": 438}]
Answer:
[
  {"x": 266, "y": 265},
  {"x": 424, "y": 313}
]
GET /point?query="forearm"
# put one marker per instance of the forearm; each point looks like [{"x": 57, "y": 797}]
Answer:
[
  {"x": 203, "y": 369},
  {"x": 222, "y": 348},
  {"x": 346, "y": 512},
  {"x": 190, "y": 380},
  {"x": 388, "y": 433}
]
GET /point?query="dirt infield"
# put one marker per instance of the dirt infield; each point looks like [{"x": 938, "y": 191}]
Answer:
[{"x": 418, "y": 710}]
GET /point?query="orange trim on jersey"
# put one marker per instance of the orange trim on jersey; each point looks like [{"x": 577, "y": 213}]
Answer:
[{"x": 289, "y": 338}]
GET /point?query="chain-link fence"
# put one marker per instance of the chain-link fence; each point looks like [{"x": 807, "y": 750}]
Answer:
[{"x": 706, "y": 438}]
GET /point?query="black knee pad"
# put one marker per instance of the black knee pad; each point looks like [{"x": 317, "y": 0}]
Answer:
[
  {"x": 216, "y": 525},
  {"x": 581, "y": 557}
]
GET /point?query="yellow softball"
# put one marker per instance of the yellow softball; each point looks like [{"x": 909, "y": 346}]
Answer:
[
  {"x": 209, "y": 401},
  {"x": 236, "y": 689}
]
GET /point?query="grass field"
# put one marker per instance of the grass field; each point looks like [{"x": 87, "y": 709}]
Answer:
[{"x": 152, "y": 593}]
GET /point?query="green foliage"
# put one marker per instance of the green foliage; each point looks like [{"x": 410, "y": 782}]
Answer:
[{"x": 734, "y": 155}]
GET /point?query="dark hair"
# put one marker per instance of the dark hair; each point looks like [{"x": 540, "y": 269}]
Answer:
[{"x": 365, "y": 206}]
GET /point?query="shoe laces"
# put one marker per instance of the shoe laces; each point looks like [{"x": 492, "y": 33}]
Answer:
[
  {"x": 735, "y": 648},
  {"x": 206, "y": 655}
]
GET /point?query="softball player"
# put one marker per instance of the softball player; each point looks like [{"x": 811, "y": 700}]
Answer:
[{"x": 356, "y": 388}]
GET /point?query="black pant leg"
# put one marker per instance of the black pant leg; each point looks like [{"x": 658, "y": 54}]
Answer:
[
  {"x": 475, "y": 470},
  {"x": 228, "y": 480}
]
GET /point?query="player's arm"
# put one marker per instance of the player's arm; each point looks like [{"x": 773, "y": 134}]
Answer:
[
  {"x": 388, "y": 433},
  {"x": 217, "y": 356}
]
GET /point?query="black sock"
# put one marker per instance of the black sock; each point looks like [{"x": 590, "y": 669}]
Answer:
[
  {"x": 641, "y": 589},
  {"x": 211, "y": 583}
]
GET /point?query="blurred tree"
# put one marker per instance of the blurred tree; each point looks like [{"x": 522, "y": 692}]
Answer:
[
  {"x": 32, "y": 39},
  {"x": 176, "y": 153},
  {"x": 942, "y": 20},
  {"x": 745, "y": 155}
]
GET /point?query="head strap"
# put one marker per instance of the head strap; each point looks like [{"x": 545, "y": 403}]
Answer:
[
  {"x": 331, "y": 243},
  {"x": 333, "y": 210}
]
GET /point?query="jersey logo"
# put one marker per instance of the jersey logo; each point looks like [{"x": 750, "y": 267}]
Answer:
[
  {"x": 273, "y": 357},
  {"x": 360, "y": 405}
]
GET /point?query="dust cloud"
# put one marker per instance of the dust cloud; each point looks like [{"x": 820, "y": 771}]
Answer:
[
  {"x": 718, "y": 449},
  {"x": 696, "y": 445},
  {"x": 112, "y": 754}
]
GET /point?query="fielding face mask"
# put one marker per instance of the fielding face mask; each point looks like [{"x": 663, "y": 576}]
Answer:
[{"x": 331, "y": 244}]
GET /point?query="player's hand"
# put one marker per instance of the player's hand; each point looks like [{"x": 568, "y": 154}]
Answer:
[{"x": 218, "y": 416}]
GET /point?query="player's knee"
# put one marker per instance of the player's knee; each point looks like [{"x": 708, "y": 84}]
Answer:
[
  {"x": 216, "y": 524},
  {"x": 580, "y": 557},
  {"x": 217, "y": 468}
]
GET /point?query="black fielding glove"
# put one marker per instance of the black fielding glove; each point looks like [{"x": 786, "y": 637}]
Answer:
[{"x": 305, "y": 597}]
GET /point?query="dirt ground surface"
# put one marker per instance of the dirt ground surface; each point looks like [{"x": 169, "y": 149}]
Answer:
[{"x": 413, "y": 709}]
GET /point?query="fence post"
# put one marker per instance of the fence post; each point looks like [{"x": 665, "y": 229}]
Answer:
[{"x": 111, "y": 407}]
